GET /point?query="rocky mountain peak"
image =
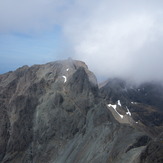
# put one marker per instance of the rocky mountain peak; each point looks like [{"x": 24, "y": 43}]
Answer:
[{"x": 55, "y": 112}]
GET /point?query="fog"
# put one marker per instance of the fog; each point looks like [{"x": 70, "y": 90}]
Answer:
[
  {"x": 115, "y": 38},
  {"x": 120, "y": 39}
]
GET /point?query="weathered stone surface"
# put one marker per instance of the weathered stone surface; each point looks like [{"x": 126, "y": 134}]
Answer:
[{"x": 55, "y": 113}]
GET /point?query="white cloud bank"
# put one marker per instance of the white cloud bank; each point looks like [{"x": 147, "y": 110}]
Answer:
[
  {"x": 115, "y": 38},
  {"x": 29, "y": 16},
  {"x": 121, "y": 39}
]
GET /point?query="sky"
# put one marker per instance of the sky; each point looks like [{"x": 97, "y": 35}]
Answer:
[{"x": 114, "y": 38}]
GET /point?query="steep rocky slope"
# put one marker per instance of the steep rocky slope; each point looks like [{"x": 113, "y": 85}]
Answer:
[
  {"x": 55, "y": 113},
  {"x": 145, "y": 102}
]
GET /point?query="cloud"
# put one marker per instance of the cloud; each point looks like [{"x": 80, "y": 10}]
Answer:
[
  {"x": 115, "y": 38},
  {"x": 29, "y": 16},
  {"x": 118, "y": 39}
]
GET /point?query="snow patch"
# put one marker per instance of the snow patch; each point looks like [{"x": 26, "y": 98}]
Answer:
[
  {"x": 119, "y": 103},
  {"x": 67, "y": 69},
  {"x": 133, "y": 102},
  {"x": 128, "y": 111},
  {"x": 136, "y": 122},
  {"x": 65, "y": 79},
  {"x": 114, "y": 107}
]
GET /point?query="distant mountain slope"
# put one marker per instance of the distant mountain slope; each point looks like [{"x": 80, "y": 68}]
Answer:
[
  {"x": 55, "y": 113},
  {"x": 145, "y": 101}
]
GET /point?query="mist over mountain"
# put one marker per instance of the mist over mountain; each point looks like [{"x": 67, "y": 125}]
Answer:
[
  {"x": 57, "y": 112},
  {"x": 115, "y": 38},
  {"x": 109, "y": 110}
]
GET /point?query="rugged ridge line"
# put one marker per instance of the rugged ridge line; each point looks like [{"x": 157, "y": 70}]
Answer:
[{"x": 55, "y": 113}]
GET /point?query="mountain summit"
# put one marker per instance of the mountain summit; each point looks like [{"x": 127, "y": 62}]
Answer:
[{"x": 56, "y": 113}]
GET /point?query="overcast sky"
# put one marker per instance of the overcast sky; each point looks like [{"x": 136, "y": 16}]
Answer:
[{"x": 116, "y": 38}]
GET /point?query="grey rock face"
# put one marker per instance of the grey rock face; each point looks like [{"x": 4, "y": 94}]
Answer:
[
  {"x": 145, "y": 102},
  {"x": 55, "y": 113}
]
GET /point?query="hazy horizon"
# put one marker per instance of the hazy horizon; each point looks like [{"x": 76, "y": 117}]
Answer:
[{"x": 114, "y": 38}]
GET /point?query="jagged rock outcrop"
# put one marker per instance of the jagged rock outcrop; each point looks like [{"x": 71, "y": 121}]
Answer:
[
  {"x": 145, "y": 103},
  {"x": 55, "y": 113}
]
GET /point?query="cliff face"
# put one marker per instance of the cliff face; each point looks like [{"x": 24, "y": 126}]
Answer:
[
  {"x": 145, "y": 102},
  {"x": 55, "y": 113}
]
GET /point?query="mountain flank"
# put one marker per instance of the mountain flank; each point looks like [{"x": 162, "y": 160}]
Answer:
[{"x": 56, "y": 113}]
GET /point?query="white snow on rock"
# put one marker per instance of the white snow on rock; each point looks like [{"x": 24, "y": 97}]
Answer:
[
  {"x": 65, "y": 79},
  {"x": 119, "y": 103},
  {"x": 133, "y": 102},
  {"x": 114, "y": 107},
  {"x": 128, "y": 111},
  {"x": 67, "y": 69},
  {"x": 136, "y": 122}
]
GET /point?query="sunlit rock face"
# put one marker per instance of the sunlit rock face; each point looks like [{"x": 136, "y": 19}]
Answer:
[{"x": 55, "y": 113}]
